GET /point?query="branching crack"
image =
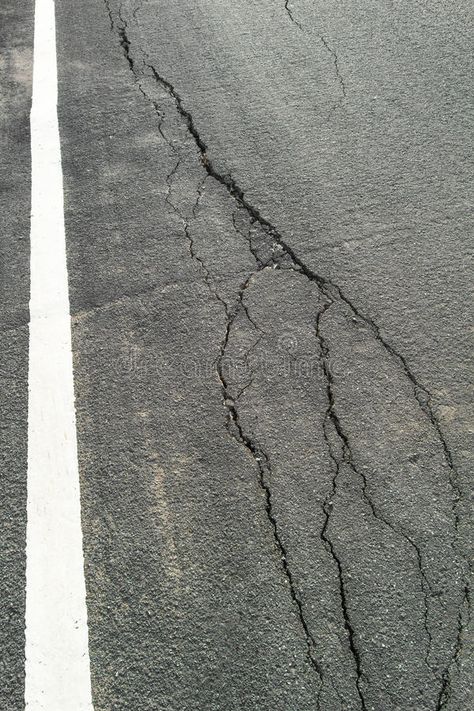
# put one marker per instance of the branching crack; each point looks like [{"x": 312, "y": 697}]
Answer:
[
  {"x": 262, "y": 461},
  {"x": 234, "y": 426},
  {"x": 248, "y": 239},
  {"x": 236, "y": 430},
  {"x": 330, "y": 416},
  {"x": 136, "y": 10},
  {"x": 187, "y": 231},
  {"x": 332, "y": 293},
  {"x": 347, "y": 458}
]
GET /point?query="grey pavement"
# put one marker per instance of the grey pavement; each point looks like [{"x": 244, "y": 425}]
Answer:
[
  {"x": 269, "y": 237},
  {"x": 16, "y": 53}
]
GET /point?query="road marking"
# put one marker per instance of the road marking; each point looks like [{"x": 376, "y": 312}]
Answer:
[{"x": 57, "y": 674}]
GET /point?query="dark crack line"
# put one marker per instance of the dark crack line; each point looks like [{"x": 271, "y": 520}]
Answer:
[
  {"x": 248, "y": 239},
  {"x": 331, "y": 415},
  {"x": 234, "y": 427},
  {"x": 169, "y": 186},
  {"x": 250, "y": 350},
  {"x": 200, "y": 193},
  {"x": 109, "y": 12},
  {"x": 326, "y": 45},
  {"x": 274, "y": 260},
  {"x": 262, "y": 461},
  {"x": 247, "y": 355},
  {"x": 336, "y": 65},
  {"x": 188, "y": 234},
  {"x": 446, "y": 690},
  {"x": 327, "y": 508},
  {"x": 121, "y": 30},
  {"x": 327, "y": 287},
  {"x": 136, "y": 10},
  {"x": 291, "y": 16},
  {"x": 194, "y": 255},
  {"x": 260, "y": 458}
]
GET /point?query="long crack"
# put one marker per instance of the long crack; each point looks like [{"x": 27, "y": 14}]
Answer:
[
  {"x": 331, "y": 416},
  {"x": 347, "y": 458},
  {"x": 264, "y": 468},
  {"x": 325, "y": 44},
  {"x": 258, "y": 454},
  {"x": 335, "y": 60},
  {"x": 234, "y": 426},
  {"x": 328, "y": 289}
]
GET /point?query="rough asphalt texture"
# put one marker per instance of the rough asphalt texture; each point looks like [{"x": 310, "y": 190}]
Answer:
[
  {"x": 267, "y": 231},
  {"x": 268, "y": 243},
  {"x": 16, "y": 45}
]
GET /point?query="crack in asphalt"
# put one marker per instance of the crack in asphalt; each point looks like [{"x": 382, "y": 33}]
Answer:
[
  {"x": 332, "y": 292},
  {"x": 348, "y": 459},
  {"x": 260, "y": 265},
  {"x": 290, "y": 14},
  {"x": 234, "y": 427},
  {"x": 109, "y": 12},
  {"x": 336, "y": 65},
  {"x": 446, "y": 689},
  {"x": 262, "y": 460},
  {"x": 136, "y": 10},
  {"x": 326, "y": 45},
  {"x": 331, "y": 416},
  {"x": 187, "y": 227},
  {"x": 192, "y": 250}
]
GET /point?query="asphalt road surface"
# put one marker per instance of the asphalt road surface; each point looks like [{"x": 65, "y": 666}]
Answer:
[{"x": 269, "y": 242}]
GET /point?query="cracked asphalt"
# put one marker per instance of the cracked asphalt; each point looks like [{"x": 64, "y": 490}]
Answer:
[{"x": 269, "y": 251}]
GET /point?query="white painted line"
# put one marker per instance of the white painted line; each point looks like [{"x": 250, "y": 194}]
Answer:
[{"x": 57, "y": 655}]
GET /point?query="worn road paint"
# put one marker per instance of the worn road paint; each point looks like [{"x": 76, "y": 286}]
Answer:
[{"x": 57, "y": 675}]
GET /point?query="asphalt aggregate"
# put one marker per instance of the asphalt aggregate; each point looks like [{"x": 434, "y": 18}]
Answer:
[
  {"x": 269, "y": 245},
  {"x": 16, "y": 50}
]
